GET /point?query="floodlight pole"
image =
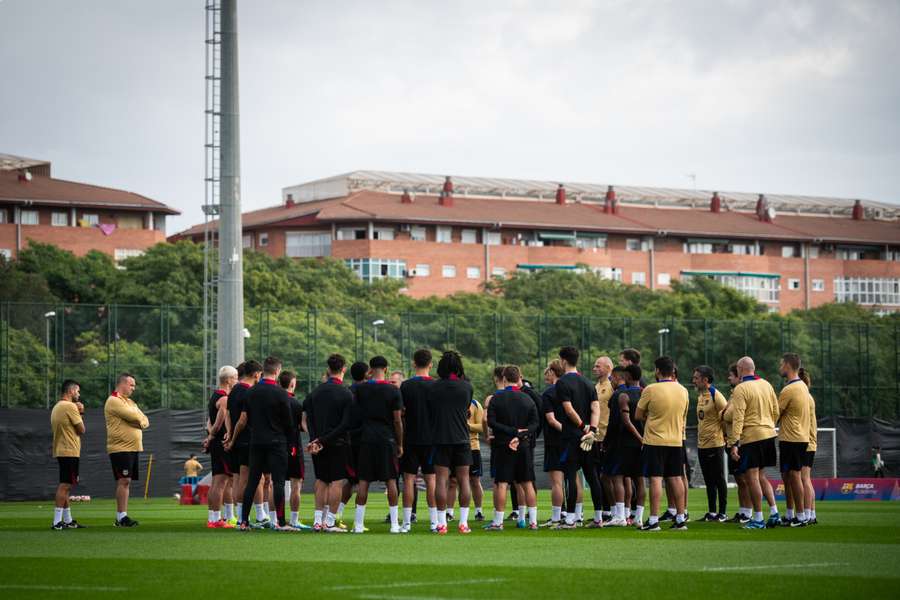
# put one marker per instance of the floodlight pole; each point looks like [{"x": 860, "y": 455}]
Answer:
[{"x": 230, "y": 322}]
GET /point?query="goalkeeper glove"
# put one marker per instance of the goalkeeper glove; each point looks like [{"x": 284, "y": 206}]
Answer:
[{"x": 587, "y": 441}]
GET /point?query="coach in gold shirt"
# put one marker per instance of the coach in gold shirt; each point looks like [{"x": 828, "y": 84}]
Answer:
[
  {"x": 603, "y": 367},
  {"x": 752, "y": 439},
  {"x": 794, "y": 407},
  {"x": 711, "y": 442},
  {"x": 125, "y": 424},
  {"x": 663, "y": 406},
  {"x": 68, "y": 427}
]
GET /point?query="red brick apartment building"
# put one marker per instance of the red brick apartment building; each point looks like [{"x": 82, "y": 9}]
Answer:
[
  {"x": 443, "y": 235},
  {"x": 75, "y": 216}
]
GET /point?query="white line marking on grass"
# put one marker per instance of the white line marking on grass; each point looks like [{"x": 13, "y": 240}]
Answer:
[
  {"x": 61, "y": 588},
  {"x": 386, "y": 597},
  {"x": 407, "y": 584},
  {"x": 799, "y": 565}
]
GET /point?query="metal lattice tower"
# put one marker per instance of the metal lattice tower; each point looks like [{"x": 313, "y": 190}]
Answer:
[{"x": 212, "y": 187}]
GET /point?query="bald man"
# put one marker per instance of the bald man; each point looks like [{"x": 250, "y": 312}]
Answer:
[
  {"x": 602, "y": 369},
  {"x": 752, "y": 438}
]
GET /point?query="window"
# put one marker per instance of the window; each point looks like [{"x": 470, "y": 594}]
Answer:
[
  {"x": 469, "y": 236},
  {"x": 492, "y": 238},
  {"x": 633, "y": 244},
  {"x": 299, "y": 244},
  {"x": 867, "y": 290},
  {"x": 247, "y": 240},
  {"x": 698, "y": 248},
  {"x": 382, "y": 234},
  {"x": 498, "y": 272},
  {"x": 764, "y": 287},
  {"x": 123, "y": 253},
  {"x": 2, "y": 215},
  {"x": 590, "y": 241},
  {"x": 613, "y": 273},
  {"x": 417, "y": 233},
  {"x": 793, "y": 284},
  {"x": 264, "y": 239},
  {"x": 663, "y": 279},
  {"x": 28, "y": 217},
  {"x": 91, "y": 219},
  {"x": 369, "y": 269},
  {"x": 744, "y": 249},
  {"x": 638, "y": 278},
  {"x": 473, "y": 273},
  {"x": 448, "y": 271},
  {"x": 351, "y": 233},
  {"x": 59, "y": 219},
  {"x": 813, "y": 251},
  {"x": 818, "y": 285},
  {"x": 444, "y": 234},
  {"x": 789, "y": 252},
  {"x": 130, "y": 221},
  {"x": 422, "y": 270}
]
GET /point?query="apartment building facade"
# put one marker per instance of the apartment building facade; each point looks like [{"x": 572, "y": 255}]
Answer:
[{"x": 442, "y": 235}]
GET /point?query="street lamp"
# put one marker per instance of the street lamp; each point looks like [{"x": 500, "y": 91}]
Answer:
[
  {"x": 47, "y": 317},
  {"x": 661, "y": 333},
  {"x": 375, "y": 324}
]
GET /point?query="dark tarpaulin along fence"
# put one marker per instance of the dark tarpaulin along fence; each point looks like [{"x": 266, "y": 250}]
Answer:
[
  {"x": 28, "y": 472},
  {"x": 854, "y": 366}
]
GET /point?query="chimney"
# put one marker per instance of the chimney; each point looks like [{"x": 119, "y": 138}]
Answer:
[
  {"x": 406, "y": 198},
  {"x": 289, "y": 202},
  {"x": 715, "y": 203},
  {"x": 446, "y": 198},
  {"x": 611, "y": 206},
  {"x": 560, "y": 195},
  {"x": 858, "y": 211},
  {"x": 762, "y": 208}
]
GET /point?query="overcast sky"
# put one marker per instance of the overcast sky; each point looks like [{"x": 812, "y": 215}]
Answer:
[{"x": 751, "y": 95}]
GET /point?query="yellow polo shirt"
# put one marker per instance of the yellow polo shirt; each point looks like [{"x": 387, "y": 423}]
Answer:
[
  {"x": 793, "y": 406},
  {"x": 754, "y": 413},
  {"x": 709, "y": 425},
  {"x": 64, "y": 418},
  {"x": 124, "y": 424},
  {"x": 665, "y": 407}
]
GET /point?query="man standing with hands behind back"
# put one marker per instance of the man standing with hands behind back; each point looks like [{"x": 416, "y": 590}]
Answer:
[
  {"x": 68, "y": 427},
  {"x": 125, "y": 424}
]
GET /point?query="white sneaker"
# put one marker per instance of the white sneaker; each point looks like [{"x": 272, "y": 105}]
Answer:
[
  {"x": 358, "y": 530},
  {"x": 617, "y": 523},
  {"x": 335, "y": 529},
  {"x": 405, "y": 528},
  {"x": 396, "y": 529}
]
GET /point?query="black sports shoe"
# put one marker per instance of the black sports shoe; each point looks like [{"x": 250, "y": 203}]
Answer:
[
  {"x": 736, "y": 518},
  {"x": 387, "y": 519},
  {"x": 795, "y": 522},
  {"x": 687, "y": 516},
  {"x": 667, "y": 516},
  {"x": 607, "y": 518},
  {"x": 412, "y": 518},
  {"x": 679, "y": 526},
  {"x": 479, "y": 516},
  {"x": 513, "y": 516},
  {"x": 58, "y": 526},
  {"x": 648, "y": 527},
  {"x": 785, "y": 522},
  {"x": 73, "y": 524},
  {"x": 126, "y": 521},
  {"x": 812, "y": 521},
  {"x": 450, "y": 517},
  {"x": 722, "y": 518},
  {"x": 709, "y": 518}
]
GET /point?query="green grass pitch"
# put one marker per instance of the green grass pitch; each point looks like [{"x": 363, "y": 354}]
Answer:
[{"x": 855, "y": 551}]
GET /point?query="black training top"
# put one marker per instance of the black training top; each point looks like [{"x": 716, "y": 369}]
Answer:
[
  {"x": 355, "y": 418},
  {"x": 627, "y": 440},
  {"x": 268, "y": 414},
  {"x": 614, "y": 426},
  {"x": 538, "y": 406},
  {"x": 510, "y": 410},
  {"x": 237, "y": 403},
  {"x": 448, "y": 410},
  {"x": 213, "y": 412},
  {"x": 296, "y": 411},
  {"x": 377, "y": 400},
  {"x": 416, "y": 419},
  {"x": 577, "y": 390},
  {"x": 549, "y": 405},
  {"x": 328, "y": 413}
]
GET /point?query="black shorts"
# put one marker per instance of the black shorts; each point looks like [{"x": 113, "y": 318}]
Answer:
[
  {"x": 453, "y": 455},
  {"x": 219, "y": 459},
  {"x": 612, "y": 465},
  {"x": 734, "y": 466},
  {"x": 68, "y": 469},
  {"x": 631, "y": 461},
  {"x": 333, "y": 464},
  {"x": 476, "y": 469},
  {"x": 232, "y": 459},
  {"x": 684, "y": 456},
  {"x": 377, "y": 462},
  {"x": 243, "y": 455},
  {"x": 758, "y": 455},
  {"x": 269, "y": 458},
  {"x": 662, "y": 461},
  {"x": 512, "y": 466},
  {"x": 809, "y": 459},
  {"x": 416, "y": 457},
  {"x": 353, "y": 463},
  {"x": 793, "y": 455},
  {"x": 125, "y": 464},
  {"x": 552, "y": 458},
  {"x": 295, "y": 468}
]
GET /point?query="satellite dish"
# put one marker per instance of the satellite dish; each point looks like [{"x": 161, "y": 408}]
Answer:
[{"x": 770, "y": 213}]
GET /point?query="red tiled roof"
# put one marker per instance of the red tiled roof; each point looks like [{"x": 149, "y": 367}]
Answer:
[
  {"x": 47, "y": 190},
  {"x": 366, "y": 205}
]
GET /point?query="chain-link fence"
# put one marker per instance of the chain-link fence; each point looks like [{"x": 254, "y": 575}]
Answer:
[{"x": 854, "y": 365}]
